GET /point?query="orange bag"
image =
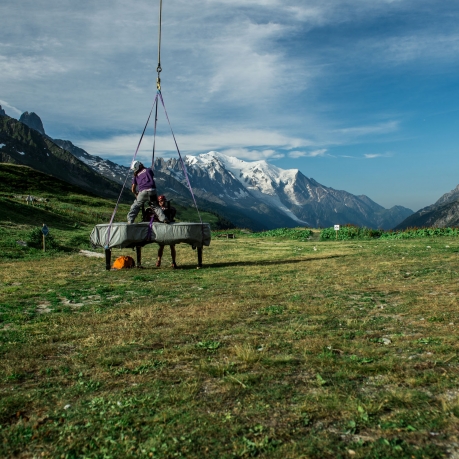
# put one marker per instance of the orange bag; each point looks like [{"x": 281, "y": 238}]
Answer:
[{"x": 124, "y": 262}]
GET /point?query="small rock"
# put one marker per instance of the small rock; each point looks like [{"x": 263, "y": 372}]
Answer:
[
  {"x": 88, "y": 253},
  {"x": 66, "y": 407}
]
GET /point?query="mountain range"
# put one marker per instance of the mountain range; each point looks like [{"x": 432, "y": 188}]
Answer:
[
  {"x": 252, "y": 194},
  {"x": 276, "y": 197}
]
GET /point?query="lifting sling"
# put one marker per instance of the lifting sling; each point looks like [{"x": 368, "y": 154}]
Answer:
[{"x": 155, "y": 106}]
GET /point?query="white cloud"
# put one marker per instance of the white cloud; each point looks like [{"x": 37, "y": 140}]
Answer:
[
  {"x": 377, "y": 155},
  {"x": 305, "y": 154},
  {"x": 234, "y": 3},
  {"x": 5, "y": 104},
  {"x": 253, "y": 155},
  {"x": 376, "y": 129},
  {"x": 245, "y": 141},
  {"x": 242, "y": 65},
  {"x": 426, "y": 46},
  {"x": 29, "y": 67}
]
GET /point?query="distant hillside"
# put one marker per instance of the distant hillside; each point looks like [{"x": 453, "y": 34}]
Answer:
[
  {"x": 66, "y": 204},
  {"x": 441, "y": 214},
  {"x": 19, "y": 179},
  {"x": 22, "y": 145}
]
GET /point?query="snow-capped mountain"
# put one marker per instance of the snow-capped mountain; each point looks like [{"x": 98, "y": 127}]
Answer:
[
  {"x": 277, "y": 197},
  {"x": 107, "y": 168}
]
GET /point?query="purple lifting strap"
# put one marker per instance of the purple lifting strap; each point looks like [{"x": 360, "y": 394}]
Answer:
[
  {"x": 180, "y": 156},
  {"x": 150, "y": 229}
]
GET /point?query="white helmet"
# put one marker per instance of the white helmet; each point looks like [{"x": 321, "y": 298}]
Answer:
[{"x": 135, "y": 166}]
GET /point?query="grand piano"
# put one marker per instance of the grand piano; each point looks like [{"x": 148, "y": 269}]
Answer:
[{"x": 137, "y": 235}]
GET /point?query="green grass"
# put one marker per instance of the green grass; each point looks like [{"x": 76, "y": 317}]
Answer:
[
  {"x": 300, "y": 234},
  {"x": 348, "y": 232},
  {"x": 274, "y": 349}
]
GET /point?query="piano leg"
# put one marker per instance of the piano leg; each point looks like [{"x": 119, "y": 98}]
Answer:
[
  {"x": 108, "y": 259},
  {"x": 138, "y": 251},
  {"x": 199, "y": 257}
]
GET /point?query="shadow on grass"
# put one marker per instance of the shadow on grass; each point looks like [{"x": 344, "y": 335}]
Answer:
[
  {"x": 268, "y": 262},
  {"x": 240, "y": 263}
]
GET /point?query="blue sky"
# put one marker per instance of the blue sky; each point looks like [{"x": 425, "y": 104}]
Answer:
[{"x": 361, "y": 95}]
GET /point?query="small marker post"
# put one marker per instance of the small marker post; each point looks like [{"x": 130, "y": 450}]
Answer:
[
  {"x": 45, "y": 232},
  {"x": 336, "y": 231}
]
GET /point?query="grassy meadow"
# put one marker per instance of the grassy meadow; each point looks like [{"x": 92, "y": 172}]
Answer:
[
  {"x": 282, "y": 346},
  {"x": 278, "y": 348}
]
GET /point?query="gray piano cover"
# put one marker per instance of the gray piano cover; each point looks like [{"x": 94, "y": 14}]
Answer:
[{"x": 136, "y": 234}]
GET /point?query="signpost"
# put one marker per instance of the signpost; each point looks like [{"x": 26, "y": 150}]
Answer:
[
  {"x": 336, "y": 230},
  {"x": 45, "y": 231}
]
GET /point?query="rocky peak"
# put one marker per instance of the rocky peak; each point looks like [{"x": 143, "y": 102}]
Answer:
[
  {"x": 2, "y": 112},
  {"x": 453, "y": 195},
  {"x": 33, "y": 121}
]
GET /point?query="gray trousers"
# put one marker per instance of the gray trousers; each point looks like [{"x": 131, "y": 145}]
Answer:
[{"x": 144, "y": 197}]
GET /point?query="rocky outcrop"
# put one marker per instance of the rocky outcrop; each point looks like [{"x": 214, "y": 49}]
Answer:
[
  {"x": 451, "y": 196},
  {"x": 33, "y": 121}
]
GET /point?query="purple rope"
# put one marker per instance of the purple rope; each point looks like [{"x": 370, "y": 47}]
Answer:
[
  {"x": 180, "y": 156},
  {"x": 150, "y": 229},
  {"x": 128, "y": 173}
]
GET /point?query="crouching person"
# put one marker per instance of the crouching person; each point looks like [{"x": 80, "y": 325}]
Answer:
[
  {"x": 170, "y": 215},
  {"x": 144, "y": 182}
]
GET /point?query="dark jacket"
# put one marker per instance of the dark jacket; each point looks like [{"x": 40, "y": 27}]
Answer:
[{"x": 169, "y": 212}]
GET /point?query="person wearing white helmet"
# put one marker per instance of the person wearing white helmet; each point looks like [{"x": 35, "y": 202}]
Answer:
[{"x": 144, "y": 187}]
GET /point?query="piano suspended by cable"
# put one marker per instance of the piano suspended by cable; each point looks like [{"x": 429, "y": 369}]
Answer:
[{"x": 137, "y": 235}]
